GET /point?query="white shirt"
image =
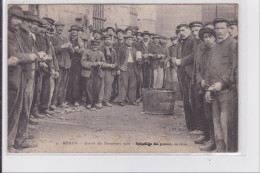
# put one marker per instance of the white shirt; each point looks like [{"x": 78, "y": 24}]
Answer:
[{"x": 130, "y": 57}]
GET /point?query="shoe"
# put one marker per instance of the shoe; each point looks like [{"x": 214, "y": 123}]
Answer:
[
  {"x": 93, "y": 109},
  {"x": 107, "y": 104},
  {"x": 53, "y": 107},
  {"x": 64, "y": 105},
  {"x": 121, "y": 104},
  {"x": 39, "y": 116},
  {"x": 32, "y": 121},
  {"x": 88, "y": 106},
  {"x": 138, "y": 100},
  {"x": 32, "y": 127},
  {"x": 99, "y": 105},
  {"x": 76, "y": 104},
  {"x": 48, "y": 112},
  {"x": 30, "y": 137},
  {"x": 200, "y": 140},
  {"x": 196, "y": 132},
  {"x": 132, "y": 103},
  {"x": 25, "y": 144},
  {"x": 210, "y": 146},
  {"x": 221, "y": 146}
]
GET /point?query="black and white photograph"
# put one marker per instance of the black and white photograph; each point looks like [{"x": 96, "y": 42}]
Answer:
[{"x": 123, "y": 78}]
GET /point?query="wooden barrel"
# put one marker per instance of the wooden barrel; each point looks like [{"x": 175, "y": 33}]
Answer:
[{"x": 158, "y": 101}]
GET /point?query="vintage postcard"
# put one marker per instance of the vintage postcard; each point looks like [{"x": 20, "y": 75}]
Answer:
[{"x": 122, "y": 78}]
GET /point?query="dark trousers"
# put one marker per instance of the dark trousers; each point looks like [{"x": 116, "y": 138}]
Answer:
[
  {"x": 106, "y": 87},
  {"x": 37, "y": 92},
  {"x": 185, "y": 90},
  {"x": 75, "y": 90},
  {"x": 26, "y": 107},
  {"x": 47, "y": 92},
  {"x": 147, "y": 75},
  {"x": 93, "y": 86},
  {"x": 15, "y": 102},
  {"x": 60, "y": 89},
  {"x": 115, "y": 88},
  {"x": 127, "y": 84},
  {"x": 209, "y": 130},
  {"x": 139, "y": 82}
]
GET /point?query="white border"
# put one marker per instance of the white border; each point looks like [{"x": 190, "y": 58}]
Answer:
[{"x": 248, "y": 161}]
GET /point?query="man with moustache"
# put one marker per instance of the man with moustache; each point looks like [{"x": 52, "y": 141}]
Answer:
[
  {"x": 18, "y": 59},
  {"x": 218, "y": 84},
  {"x": 109, "y": 72},
  {"x": 184, "y": 63},
  {"x": 127, "y": 72},
  {"x": 62, "y": 47},
  {"x": 145, "y": 72},
  {"x": 75, "y": 82}
]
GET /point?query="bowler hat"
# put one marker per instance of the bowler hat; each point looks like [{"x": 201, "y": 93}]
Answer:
[
  {"x": 206, "y": 30},
  {"x": 74, "y": 27},
  {"x": 16, "y": 11},
  {"x": 196, "y": 24},
  {"x": 119, "y": 30},
  {"x": 129, "y": 28},
  {"x": 106, "y": 36},
  {"x": 59, "y": 23},
  {"x": 31, "y": 17},
  {"x": 110, "y": 28},
  {"x": 220, "y": 20},
  {"x": 146, "y": 33}
]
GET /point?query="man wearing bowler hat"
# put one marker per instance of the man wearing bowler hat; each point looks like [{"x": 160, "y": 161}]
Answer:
[
  {"x": 127, "y": 71},
  {"x": 218, "y": 84},
  {"x": 62, "y": 47}
]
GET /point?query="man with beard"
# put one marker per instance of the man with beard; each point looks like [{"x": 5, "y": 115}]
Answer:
[
  {"x": 62, "y": 47},
  {"x": 145, "y": 72},
  {"x": 184, "y": 63},
  {"x": 203, "y": 54},
  {"x": 18, "y": 60},
  {"x": 92, "y": 62},
  {"x": 75, "y": 82},
  {"x": 109, "y": 72},
  {"x": 127, "y": 70},
  {"x": 116, "y": 45},
  {"x": 218, "y": 84}
]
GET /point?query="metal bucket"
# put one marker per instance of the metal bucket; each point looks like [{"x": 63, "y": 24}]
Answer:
[{"x": 158, "y": 101}]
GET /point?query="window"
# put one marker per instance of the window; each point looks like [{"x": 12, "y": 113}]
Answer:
[{"x": 98, "y": 16}]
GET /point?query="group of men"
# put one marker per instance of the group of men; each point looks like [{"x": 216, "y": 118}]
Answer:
[{"x": 47, "y": 71}]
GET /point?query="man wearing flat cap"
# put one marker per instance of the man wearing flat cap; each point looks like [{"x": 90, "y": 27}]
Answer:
[
  {"x": 92, "y": 62},
  {"x": 62, "y": 47},
  {"x": 75, "y": 90},
  {"x": 127, "y": 71},
  {"x": 184, "y": 63},
  {"x": 97, "y": 35},
  {"x": 129, "y": 30},
  {"x": 146, "y": 72},
  {"x": 208, "y": 36},
  {"x": 109, "y": 72},
  {"x": 18, "y": 60},
  {"x": 218, "y": 84}
]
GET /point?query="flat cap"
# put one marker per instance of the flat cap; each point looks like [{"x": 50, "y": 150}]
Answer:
[
  {"x": 196, "y": 24},
  {"x": 220, "y": 20},
  {"x": 146, "y": 33},
  {"x": 183, "y": 25},
  {"x": 106, "y": 36},
  {"x": 97, "y": 31},
  {"x": 128, "y": 36},
  {"x": 74, "y": 27},
  {"x": 80, "y": 28},
  {"x": 156, "y": 36},
  {"x": 59, "y": 23},
  {"x": 206, "y": 30}
]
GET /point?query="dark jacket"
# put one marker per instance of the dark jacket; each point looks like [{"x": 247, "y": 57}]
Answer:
[
  {"x": 111, "y": 59},
  {"x": 123, "y": 58},
  {"x": 187, "y": 48},
  {"x": 62, "y": 55}
]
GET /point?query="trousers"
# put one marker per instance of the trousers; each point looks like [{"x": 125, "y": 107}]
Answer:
[
  {"x": 139, "y": 82},
  {"x": 106, "y": 86},
  {"x": 158, "y": 76}
]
